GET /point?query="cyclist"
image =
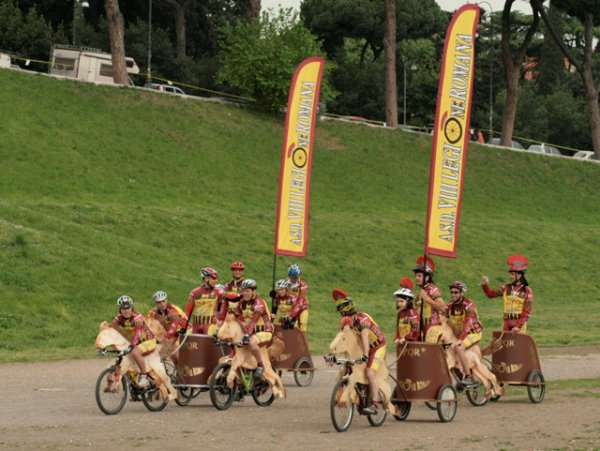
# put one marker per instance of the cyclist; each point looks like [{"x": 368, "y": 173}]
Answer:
[
  {"x": 429, "y": 302},
  {"x": 233, "y": 287},
  {"x": 464, "y": 320},
  {"x": 252, "y": 310},
  {"x": 142, "y": 340},
  {"x": 517, "y": 296},
  {"x": 201, "y": 307},
  {"x": 290, "y": 308},
  {"x": 373, "y": 342},
  {"x": 169, "y": 315},
  {"x": 298, "y": 288},
  {"x": 407, "y": 324}
]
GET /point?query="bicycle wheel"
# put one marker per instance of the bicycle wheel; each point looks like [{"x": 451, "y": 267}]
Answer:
[
  {"x": 261, "y": 392},
  {"x": 378, "y": 419},
  {"x": 341, "y": 416},
  {"x": 402, "y": 406},
  {"x": 153, "y": 399},
  {"x": 446, "y": 403},
  {"x": 476, "y": 394},
  {"x": 110, "y": 397},
  {"x": 537, "y": 386},
  {"x": 304, "y": 377},
  {"x": 221, "y": 395}
]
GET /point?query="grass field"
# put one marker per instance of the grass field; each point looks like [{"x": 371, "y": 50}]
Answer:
[{"x": 106, "y": 191}]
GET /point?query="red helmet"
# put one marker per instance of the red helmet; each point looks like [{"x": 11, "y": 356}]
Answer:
[
  {"x": 209, "y": 272},
  {"x": 517, "y": 263},
  {"x": 459, "y": 285},
  {"x": 237, "y": 265}
]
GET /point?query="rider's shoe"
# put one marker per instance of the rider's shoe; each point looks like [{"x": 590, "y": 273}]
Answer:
[
  {"x": 238, "y": 395},
  {"x": 468, "y": 381},
  {"x": 371, "y": 409},
  {"x": 143, "y": 381},
  {"x": 259, "y": 371}
]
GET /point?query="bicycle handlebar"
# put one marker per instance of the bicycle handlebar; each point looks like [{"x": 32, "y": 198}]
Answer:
[{"x": 342, "y": 361}]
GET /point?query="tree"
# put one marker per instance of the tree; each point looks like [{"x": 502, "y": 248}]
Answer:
[
  {"x": 551, "y": 67},
  {"x": 259, "y": 58},
  {"x": 180, "y": 8},
  {"x": 389, "y": 43},
  {"x": 117, "y": 41},
  {"x": 588, "y": 12},
  {"x": 512, "y": 59}
]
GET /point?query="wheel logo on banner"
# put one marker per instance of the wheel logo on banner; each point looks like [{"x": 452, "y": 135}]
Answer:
[
  {"x": 453, "y": 130},
  {"x": 299, "y": 157}
]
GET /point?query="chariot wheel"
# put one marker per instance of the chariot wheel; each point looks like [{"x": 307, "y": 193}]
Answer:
[
  {"x": 378, "y": 419},
  {"x": 341, "y": 416},
  {"x": 446, "y": 403},
  {"x": 221, "y": 395},
  {"x": 303, "y": 377},
  {"x": 111, "y": 402},
  {"x": 536, "y": 386}
]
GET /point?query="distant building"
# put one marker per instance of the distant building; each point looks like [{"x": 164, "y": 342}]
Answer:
[{"x": 87, "y": 64}]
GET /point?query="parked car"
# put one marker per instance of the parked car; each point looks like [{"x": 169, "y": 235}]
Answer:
[
  {"x": 584, "y": 155},
  {"x": 515, "y": 144},
  {"x": 543, "y": 148},
  {"x": 166, "y": 88}
]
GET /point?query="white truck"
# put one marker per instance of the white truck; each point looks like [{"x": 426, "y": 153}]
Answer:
[{"x": 86, "y": 64}]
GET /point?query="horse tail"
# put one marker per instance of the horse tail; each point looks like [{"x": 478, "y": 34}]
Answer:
[{"x": 494, "y": 346}]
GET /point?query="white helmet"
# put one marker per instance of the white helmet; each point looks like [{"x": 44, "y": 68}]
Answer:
[
  {"x": 159, "y": 296},
  {"x": 405, "y": 293},
  {"x": 282, "y": 283}
]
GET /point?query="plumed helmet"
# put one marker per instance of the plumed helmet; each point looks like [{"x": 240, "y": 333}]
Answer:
[
  {"x": 406, "y": 293},
  {"x": 294, "y": 270},
  {"x": 209, "y": 272},
  {"x": 159, "y": 296},
  {"x": 405, "y": 282},
  {"x": 124, "y": 302},
  {"x": 517, "y": 263},
  {"x": 237, "y": 265},
  {"x": 249, "y": 283},
  {"x": 282, "y": 283},
  {"x": 459, "y": 285},
  {"x": 338, "y": 293},
  {"x": 425, "y": 265}
]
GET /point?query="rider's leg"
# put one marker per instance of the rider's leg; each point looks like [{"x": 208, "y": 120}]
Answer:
[
  {"x": 303, "y": 321},
  {"x": 373, "y": 385},
  {"x": 464, "y": 361}
]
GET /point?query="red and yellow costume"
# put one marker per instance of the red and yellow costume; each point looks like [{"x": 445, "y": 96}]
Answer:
[
  {"x": 377, "y": 348},
  {"x": 517, "y": 304},
  {"x": 201, "y": 309},
  {"x": 233, "y": 287},
  {"x": 292, "y": 307},
  {"x": 137, "y": 331},
  {"x": 298, "y": 290},
  {"x": 256, "y": 317},
  {"x": 172, "y": 318},
  {"x": 464, "y": 320},
  {"x": 429, "y": 316},
  {"x": 407, "y": 325}
]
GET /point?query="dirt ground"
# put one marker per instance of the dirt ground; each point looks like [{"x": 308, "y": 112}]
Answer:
[{"x": 51, "y": 406}]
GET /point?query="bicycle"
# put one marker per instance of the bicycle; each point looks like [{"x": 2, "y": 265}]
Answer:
[
  {"x": 112, "y": 388},
  {"x": 244, "y": 383},
  {"x": 342, "y": 414}
]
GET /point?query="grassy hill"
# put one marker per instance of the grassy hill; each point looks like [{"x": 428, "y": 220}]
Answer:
[{"x": 106, "y": 191}]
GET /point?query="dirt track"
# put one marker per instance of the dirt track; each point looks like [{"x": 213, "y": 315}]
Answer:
[{"x": 51, "y": 406}]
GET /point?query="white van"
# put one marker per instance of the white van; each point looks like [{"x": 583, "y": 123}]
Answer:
[{"x": 166, "y": 88}]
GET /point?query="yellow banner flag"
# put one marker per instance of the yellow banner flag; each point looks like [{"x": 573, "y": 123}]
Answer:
[
  {"x": 291, "y": 230},
  {"x": 451, "y": 133}
]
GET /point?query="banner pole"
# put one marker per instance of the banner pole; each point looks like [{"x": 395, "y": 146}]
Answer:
[{"x": 273, "y": 280}]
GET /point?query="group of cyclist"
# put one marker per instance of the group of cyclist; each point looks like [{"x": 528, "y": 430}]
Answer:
[
  {"x": 206, "y": 309},
  {"x": 419, "y": 317}
]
